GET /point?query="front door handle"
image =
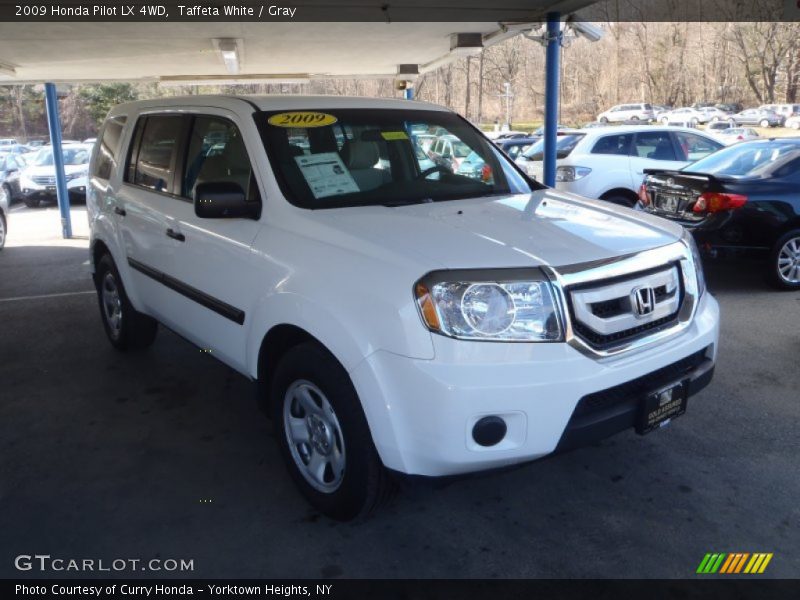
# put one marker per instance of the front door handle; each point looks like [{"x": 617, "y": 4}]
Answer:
[
  {"x": 175, "y": 235},
  {"x": 120, "y": 211}
]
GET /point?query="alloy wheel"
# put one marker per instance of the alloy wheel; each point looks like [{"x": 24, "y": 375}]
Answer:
[{"x": 789, "y": 261}]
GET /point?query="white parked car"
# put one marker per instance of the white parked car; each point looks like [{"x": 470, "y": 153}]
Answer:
[
  {"x": 793, "y": 122},
  {"x": 608, "y": 162},
  {"x": 394, "y": 322},
  {"x": 732, "y": 135},
  {"x": 687, "y": 116},
  {"x": 38, "y": 180},
  {"x": 627, "y": 112},
  {"x": 785, "y": 110}
]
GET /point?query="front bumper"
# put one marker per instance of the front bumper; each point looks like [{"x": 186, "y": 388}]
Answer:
[
  {"x": 30, "y": 189},
  {"x": 422, "y": 412}
]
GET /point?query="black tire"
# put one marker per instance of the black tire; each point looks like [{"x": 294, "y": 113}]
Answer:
[
  {"x": 364, "y": 484},
  {"x": 3, "y": 230},
  {"x": 32, "y": 202},
  {"x": 634, "y": 118},
  {"x": 135, "y": 331},
  {"x": 604, "y": 119},
  {"x": 764, "y": 123},
  {"x": 778, "y": 253},
  {"x": 620, "y": 200},
  {"x": 9, "y": 194}
]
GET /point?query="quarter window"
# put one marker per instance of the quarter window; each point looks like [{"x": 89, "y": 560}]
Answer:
[
  {"x": 108, "y": 149},
  {"x": 694, "y": 147}
]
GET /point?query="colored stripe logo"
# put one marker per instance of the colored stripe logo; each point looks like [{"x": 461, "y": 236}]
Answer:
[{"x": 734, "y": 563}]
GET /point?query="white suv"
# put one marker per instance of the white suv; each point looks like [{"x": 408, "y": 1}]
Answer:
[
  {"x": 627, "y": 112},
  {"x": 609, "y": 162},
  {"x": 397, "y": 318}
]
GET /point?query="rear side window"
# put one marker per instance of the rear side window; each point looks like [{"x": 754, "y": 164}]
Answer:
[
  {"x": 217, "y": 153},
  {"x": 613, "y": 144},
  {"x": 153, "y": 163},
  {"x": 656, "y": 145},
  {"x": 108, "y": 148},
  {"x": 694, "y": 147}
]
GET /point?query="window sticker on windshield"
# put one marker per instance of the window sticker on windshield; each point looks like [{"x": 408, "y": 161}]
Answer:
[
  {"x": 302, "y": 119},
  {"x": 326, "y": 174},
  {"x": 391, "y": 136}
]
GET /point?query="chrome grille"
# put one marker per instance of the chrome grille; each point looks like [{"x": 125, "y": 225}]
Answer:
[
  {"x": 44, "y": 179},
  {"x": 611, "y": 312}
]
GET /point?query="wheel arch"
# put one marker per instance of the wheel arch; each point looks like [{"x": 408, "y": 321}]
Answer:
[
  {"x": 276, "y": 343},
  {"x": 620, "y": 191}
]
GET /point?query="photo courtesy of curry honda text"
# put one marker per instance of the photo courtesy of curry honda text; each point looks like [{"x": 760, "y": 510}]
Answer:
[{"x": 398, "y": 318}]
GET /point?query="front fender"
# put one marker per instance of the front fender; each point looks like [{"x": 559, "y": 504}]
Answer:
[{"x": 349, "y": 335}]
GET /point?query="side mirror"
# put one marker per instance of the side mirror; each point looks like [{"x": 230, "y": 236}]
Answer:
[{"x": 223, "y": 200}]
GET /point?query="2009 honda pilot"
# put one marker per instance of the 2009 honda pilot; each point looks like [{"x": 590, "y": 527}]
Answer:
[{"x": 396, "y": 316}]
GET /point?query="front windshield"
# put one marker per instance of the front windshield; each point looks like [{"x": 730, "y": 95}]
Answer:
[
  {"x": 72, "y": 156},
  {"x": 356, "y": 157},
  {"x": 564, "y": 145},
  {"x": 742, "y": 160}
]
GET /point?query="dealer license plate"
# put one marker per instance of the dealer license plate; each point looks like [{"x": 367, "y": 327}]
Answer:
[{"x": 658, "y": 409}]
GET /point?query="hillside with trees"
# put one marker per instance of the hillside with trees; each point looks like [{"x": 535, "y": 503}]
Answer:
[{"x": 663, "y": 63}]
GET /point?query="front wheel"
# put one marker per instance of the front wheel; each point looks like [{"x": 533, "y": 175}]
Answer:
[
  {"x": 32, "y": 202},
  {"x": 764, "y": 123},
  {"x": 126, "y": 328},
  {"x": 784, "y": 262},
  {"x": 324, "y": 436},
  {"x": 2, "y": 230},
  {"x": 604, "y": 119}
]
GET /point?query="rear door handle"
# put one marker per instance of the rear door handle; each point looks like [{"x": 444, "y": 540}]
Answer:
[
  {"x": 120, "y": 211},
  {"x": 175, "y": 235}
]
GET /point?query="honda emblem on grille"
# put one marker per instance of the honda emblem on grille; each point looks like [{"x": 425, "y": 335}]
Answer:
[{"x": 644, "y": 300}]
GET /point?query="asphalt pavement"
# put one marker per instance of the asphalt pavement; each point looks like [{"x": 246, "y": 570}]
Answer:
[{"x": 165, "y": 454}]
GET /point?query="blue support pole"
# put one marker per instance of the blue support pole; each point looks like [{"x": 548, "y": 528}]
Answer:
[
  {"x": 408, "y": 93},
  {"x": 552, "y": 60},
  {"x": 54, "y": 125}
]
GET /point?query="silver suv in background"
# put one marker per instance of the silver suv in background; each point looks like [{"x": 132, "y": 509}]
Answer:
[{"x": 627, "y": 112}]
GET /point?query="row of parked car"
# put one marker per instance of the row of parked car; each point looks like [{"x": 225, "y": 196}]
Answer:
[
  {"x": 28, "y": 174},
  {"x": 735, "y": 190},
  {"x": 767, "y": 115}
]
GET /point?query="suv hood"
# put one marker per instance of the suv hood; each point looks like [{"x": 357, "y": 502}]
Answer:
[
  {"x": 543, "y": 228},
  {"x": 50, "y": 170}
]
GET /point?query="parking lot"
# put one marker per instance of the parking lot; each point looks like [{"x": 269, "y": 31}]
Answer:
[{"x": 165, "y": 454}]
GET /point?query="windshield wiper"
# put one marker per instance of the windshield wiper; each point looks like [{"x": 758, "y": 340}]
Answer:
[{"x": 395, "y": 203}]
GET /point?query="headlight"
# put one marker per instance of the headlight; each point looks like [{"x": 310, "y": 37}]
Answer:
[
  {"x": 513, "y": 306},
  {"x": 571, "y": 173},
  {"x": 698, "y": 263}
]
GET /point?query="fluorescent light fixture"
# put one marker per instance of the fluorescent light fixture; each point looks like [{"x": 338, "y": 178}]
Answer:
[
  {"x": 228, "y": 50},
  {"x": 466, "y": 44},
  {"x": 290, "y": 78}
]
